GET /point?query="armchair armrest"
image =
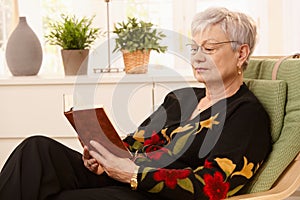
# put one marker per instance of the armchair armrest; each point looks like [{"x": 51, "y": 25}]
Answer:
[{"x": 286, "y": 185}]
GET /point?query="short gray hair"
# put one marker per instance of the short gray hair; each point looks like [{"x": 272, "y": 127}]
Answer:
[{"x": 236, "y": 25}]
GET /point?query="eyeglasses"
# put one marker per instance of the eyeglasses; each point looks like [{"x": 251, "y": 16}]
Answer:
[{"x": 206, "y": 47}]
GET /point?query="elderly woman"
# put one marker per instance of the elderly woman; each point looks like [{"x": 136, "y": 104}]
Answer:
[{"x": 201, "y": 143}]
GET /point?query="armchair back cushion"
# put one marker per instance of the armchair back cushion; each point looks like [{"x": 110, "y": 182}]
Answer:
[
  {"x": 272, "y": 95},
  {"x": 287, "y": 143}
]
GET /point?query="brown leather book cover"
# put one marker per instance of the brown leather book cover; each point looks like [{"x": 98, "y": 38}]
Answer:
[{"x": 94, "y": 124}]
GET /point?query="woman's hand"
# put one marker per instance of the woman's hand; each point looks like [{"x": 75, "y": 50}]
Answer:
[
  {"x": 120, "y": 169},
  {"x": 90, "y": 162}
]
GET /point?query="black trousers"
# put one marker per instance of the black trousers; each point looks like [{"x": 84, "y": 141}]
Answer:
[{"x": 43, "y": 169}]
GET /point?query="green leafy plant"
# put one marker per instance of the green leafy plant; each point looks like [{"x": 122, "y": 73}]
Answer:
[
  {"x": 136, "y": 35},
  {"x": 72, "y": 33}
]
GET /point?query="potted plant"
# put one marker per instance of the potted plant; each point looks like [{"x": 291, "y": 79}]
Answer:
[
  {"x": 135, "y": 39},
  {"x": 75, "y": 36}
]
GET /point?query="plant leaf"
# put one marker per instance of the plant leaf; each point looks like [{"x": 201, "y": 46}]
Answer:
[
  {"x": 136, "y": 35},
  {"x": 72, "y": 33}
]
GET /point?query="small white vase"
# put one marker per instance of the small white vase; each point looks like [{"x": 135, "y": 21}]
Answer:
[{"x": 23, "y": 53}]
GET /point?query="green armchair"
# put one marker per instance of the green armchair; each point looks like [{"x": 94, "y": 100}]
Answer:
[{"x": 276, "y": 83}]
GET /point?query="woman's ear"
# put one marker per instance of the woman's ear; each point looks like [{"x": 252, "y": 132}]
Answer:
[{"x": 243, "y": 53}]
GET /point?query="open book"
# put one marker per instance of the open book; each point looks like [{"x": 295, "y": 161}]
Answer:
[{"x": 94, "y": 124}]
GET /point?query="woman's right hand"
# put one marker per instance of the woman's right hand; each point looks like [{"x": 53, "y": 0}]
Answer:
[{"x": 90, "y": 162}]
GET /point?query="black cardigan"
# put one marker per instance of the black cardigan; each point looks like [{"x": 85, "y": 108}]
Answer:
[{"x": 209, "y": 157}]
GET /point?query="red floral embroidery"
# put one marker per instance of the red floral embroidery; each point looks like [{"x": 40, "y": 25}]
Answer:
[
  {"x": 154, "y": 140},
  {"x": 215, "y": 187},
  {"x": 170, "y": 176},
  {"x": 126, "y": 144},
  {"x": 155, "y": 152},
  {"x": 208, "y": 164}
]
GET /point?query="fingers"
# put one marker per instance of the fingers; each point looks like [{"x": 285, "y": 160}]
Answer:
[
  {"x": 120, "y": 169},
  {"x": 86, "y": 153},
  {"x": 91, "y": 163},
  {"x": 94, "y": 166},
  {"x": 101, "y": 150},
  {"x": 99, "y": 158},
  {"x": 104, "y": 157},
  {"x": 88, "y": 161}
]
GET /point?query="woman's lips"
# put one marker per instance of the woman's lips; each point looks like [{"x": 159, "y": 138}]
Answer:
[{"x": 200, "y": 69}]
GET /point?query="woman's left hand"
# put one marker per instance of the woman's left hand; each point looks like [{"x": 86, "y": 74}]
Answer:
[{"x": 120, "y": 169}]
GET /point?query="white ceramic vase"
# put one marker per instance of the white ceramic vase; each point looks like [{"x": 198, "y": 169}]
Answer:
[{"x": 23, "y": 53}]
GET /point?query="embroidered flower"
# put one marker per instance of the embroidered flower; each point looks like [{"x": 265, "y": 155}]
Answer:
[
  {"x": 226, "y": 165},
  {"x": 154, "y": 140},
  {"x": 155, "y": 152},
  {"x": 181, "y": 129},
  {"x": 247, "y": 169},
  {"x": 170, "y": 176},
  {"x": 164, "y": 134},
  {"x": 209, "y": 122},
  {"x": 215, "y": 187},
  {"x": 126, "y": 144},
  {"x": 208, "y": 164},
  {"x": 139, "y": 135}
]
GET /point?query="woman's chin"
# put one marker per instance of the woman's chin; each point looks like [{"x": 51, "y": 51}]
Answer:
[{"x": 199, "y": 77}]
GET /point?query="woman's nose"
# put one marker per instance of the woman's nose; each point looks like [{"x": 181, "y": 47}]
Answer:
[{"x": 198, "y": 58}]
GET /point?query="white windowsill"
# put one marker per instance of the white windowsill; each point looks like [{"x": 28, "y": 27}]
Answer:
[{"x": 155, "y": 74}]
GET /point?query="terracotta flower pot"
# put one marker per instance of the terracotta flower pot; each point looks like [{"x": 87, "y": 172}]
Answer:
[{"x": 75, "y": 61}]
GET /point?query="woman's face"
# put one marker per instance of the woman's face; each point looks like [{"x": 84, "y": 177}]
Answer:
[{"x": 219, "y": 62}]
